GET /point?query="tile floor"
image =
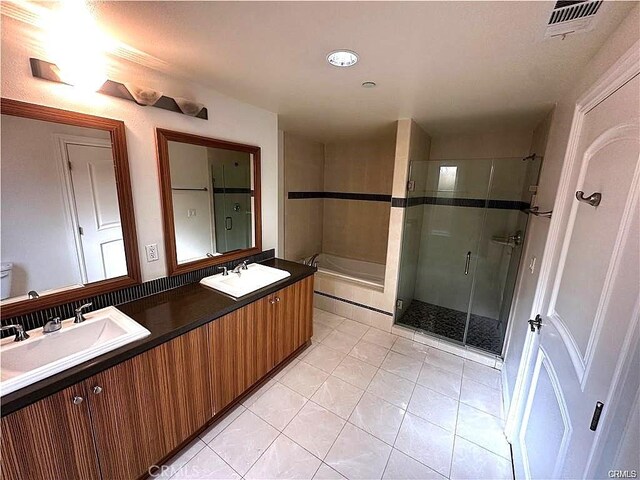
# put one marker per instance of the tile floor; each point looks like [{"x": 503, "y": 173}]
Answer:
[{"x": 359, "y": 403}]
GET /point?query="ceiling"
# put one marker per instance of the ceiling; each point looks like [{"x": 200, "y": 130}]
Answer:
[{"x": 452, "y": 66}]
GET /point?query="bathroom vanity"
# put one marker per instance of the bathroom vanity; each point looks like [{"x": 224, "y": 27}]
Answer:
[{"x": 117, "y": 415}]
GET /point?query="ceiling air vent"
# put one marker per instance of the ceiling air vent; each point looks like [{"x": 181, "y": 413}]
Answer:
[{"x": 572, "y": 17}]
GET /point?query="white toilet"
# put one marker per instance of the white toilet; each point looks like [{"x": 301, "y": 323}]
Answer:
[{"x": 5, "y": 280}]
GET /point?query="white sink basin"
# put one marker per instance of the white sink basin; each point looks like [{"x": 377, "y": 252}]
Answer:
[
  {"x": 42, "y": 355},
  {"x": 256, "y": 276}
]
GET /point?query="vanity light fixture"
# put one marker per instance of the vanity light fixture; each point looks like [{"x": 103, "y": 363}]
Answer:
[{"x": 342, "y": 58}]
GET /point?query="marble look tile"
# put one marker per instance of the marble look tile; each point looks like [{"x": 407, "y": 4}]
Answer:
[
  {"x": 320, "y": 331},
  {"x": 324, "y": 358},
  {"x": 483, "y": 429},
  {"x": 325, "y": 472},
  {"x": 442, "y": 381},
  {"x": 330, "y": 319},
  {"x": 307, "y": 350},
  {"x": 180, "y": 459},
  {"x": 379, "y": 337},
  {"x": 482, "y": 374},
  {"x": 304, "y": 379},
  {"x": 315, "y": 428},
  {"x": 401, "y": 365},
  {"x": 403, "y": 332},
  {"x": 410, "y": 348},
  {"x": 435, "y": 407},
  {"x": 377, "y": 417},
  {"x": 358, "y": 455},
  {"x": 251, "y": 399},
  {"x": 481, "y": 397},
  {"x": 444, "y": 360},
  {"x": 471, "y": 462},
  {"x": 355, "y": 372},
  {"x": 481, "y": 358},
  {"x": 426, "y": 339},
  {"x": 278, "y": 406},
  {"x": 426, "y": 442},
  {"x": 353, "y": 328},
  {"x": 338, "y": 396},
  {"x": 284, "y": 459},
  {"x": 340, "y": 341},
  {"x": 403, "y": 467},
  {"x": 390, "y": 387},
  {"x": 244, "y": 441},
  {"x": 210, "y": 433},
  {"x": 283, "y": 371},
  {"x": 207, "y": 465},
  {"x": 369, "y": 352}
]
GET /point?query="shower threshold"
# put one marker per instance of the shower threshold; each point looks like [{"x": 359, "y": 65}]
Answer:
[{"x": 484, "y": 332}]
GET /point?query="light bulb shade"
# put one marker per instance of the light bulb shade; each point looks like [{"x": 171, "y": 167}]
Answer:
[
  {"x": 189, "y": 107},
  {"x": 85, "y": 77},
  {"x": 143, "y": 95}
]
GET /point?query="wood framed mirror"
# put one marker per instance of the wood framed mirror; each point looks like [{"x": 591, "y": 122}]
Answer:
[
  {"x": 210, "y": 191},
  {"x": 68, "y": 229}
]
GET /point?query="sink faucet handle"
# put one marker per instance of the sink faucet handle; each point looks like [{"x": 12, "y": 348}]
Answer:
[
  {"x": 225, "y": 271},
  {"x": 79, "y": 314},
  {"x": 244, "y": 265},
  {"x": 20, "y": 333}
]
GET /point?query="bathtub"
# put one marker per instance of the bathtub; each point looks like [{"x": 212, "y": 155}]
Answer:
[{"x": 366, "y": 273}]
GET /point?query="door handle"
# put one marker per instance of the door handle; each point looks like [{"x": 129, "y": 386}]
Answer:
[
  {"x": 536, "y": 323},
  {"x": 228, "y": 223},
  {"x": 594, "y": 199},
  {"x": 466, "y": 264}
]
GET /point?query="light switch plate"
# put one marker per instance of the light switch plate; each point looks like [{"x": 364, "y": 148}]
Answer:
[{"x": 152, "y": 252}]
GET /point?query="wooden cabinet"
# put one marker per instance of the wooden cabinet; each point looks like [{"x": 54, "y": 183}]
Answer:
[
  {"x": 149, "y": 405},
  {"x": 50, "y": 439},
  {"x": 293, "y": 318}
]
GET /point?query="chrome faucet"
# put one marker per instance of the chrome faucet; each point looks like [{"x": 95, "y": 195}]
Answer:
[
  {"x": 20, "y": 333},
  {"x": 33, "y": 295},
  {"x": 53, "y": 325},
  {"x": 79, "y": 315},
  {"x": 312, "y": 261},
  {"x": 240, "y": 266},
  {"x": 225, "y": 271}
]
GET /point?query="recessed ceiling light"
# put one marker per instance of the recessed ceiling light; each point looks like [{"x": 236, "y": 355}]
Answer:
[
  {"x": 368, "y": 84},
  {"x": 342, "y": 58}
]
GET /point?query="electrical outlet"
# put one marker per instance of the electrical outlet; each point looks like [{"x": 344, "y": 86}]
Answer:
[
  {"x": 152, "y": 252},
  {"x": 191, "y": 212}
]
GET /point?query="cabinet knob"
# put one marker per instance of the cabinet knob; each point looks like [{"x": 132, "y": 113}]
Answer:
[
  {"x": 77, "y": 400},
  {"x": 277, "y": 299},
  {"x": 97, "y": 389},
  {"x": 272, "y": 301}
]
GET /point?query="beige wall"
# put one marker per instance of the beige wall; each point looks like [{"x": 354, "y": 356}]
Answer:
[
  {"x": 303, "y": 172},
  {"x": 493, "y": 144},
  {"x": 354, "y": 228}
]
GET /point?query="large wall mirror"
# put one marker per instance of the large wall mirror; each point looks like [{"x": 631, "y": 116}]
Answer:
[
  {"x": 211, "y": 200},
  {"x": 68, "y": 230}
]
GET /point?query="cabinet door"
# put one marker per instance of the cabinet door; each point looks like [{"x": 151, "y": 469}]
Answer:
[
  {"x": 294, "y": 318},
  {"x": 50, "y": 439},
  {"x": 241, "y": 350},
  {"x": 149, "y": 405}
]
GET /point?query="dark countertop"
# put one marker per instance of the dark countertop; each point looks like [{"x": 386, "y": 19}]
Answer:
[{"x": 166, "y": 315}]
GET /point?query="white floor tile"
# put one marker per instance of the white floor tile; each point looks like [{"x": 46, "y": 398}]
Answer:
[
  {"x": 251, "y": 399},
  {"x": 320, "y": 331},
  {"x": 426, "y": 339},
  {"x": 443, "y": 381},
  {"x": 444, "y": 360},
  {"x": 324, "y": 358},
  {"x": 304, "y": 379},
  {"x": 390, "y": 387},
  {"x": 403, "y": 467},
  {"x": 353, "y": 328},
  {"x": 434, "y": 407},
  {"x": 426, "y": 442},
  {"x": 483, "y": 429},
  {"x": 471, "y": 462},
  {"x": 338, "y": 396},
  {"x": 210, "y": 433},
  {"x": 481, "y": 397},
  {"x": 358, "y": 455},
  {"x": 278, "y": 406},
  {"x": 244, "y": 441},
  {"x": 401, "y": 365},
  {"x": 325, "y": 472},
  {"x": 356, "y": 372},
  {"x": 180, "y": 459},
  {"x": 482, "y": 374},
  {"x": 283, "y": 371},
  {"x": 206, "y": 465},
  {"x": 340, "y": 341},
  {"x": 379, "y": 337},
  {"x": 315, "y": 428},
  {"x": 284, "y": 459},
  {"x": 377, "y": 417},
  {"x": 410, "y": 348},
  {"x": 369, "y": 352},
  {"x": 330, "y": 319}
]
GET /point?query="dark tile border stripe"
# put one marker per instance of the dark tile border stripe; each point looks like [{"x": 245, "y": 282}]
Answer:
[
  {"x": 366, "y": 197},
  {"x": 248, "y": 191},
  {"x": 129, "y": 294},
  {"x": 459, "y": 202},
  {"x": 353, "y": 303}
]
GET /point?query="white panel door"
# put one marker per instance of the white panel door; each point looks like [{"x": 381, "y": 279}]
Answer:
[
  {"x": 590, "y": 295},
  {"x": 96, "y": 201}
]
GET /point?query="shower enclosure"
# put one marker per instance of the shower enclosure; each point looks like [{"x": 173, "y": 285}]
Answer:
[{"x": 462, "y": 242}]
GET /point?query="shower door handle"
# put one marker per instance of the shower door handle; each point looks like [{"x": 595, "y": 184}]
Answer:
[{"x": 466, "y": 264}]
